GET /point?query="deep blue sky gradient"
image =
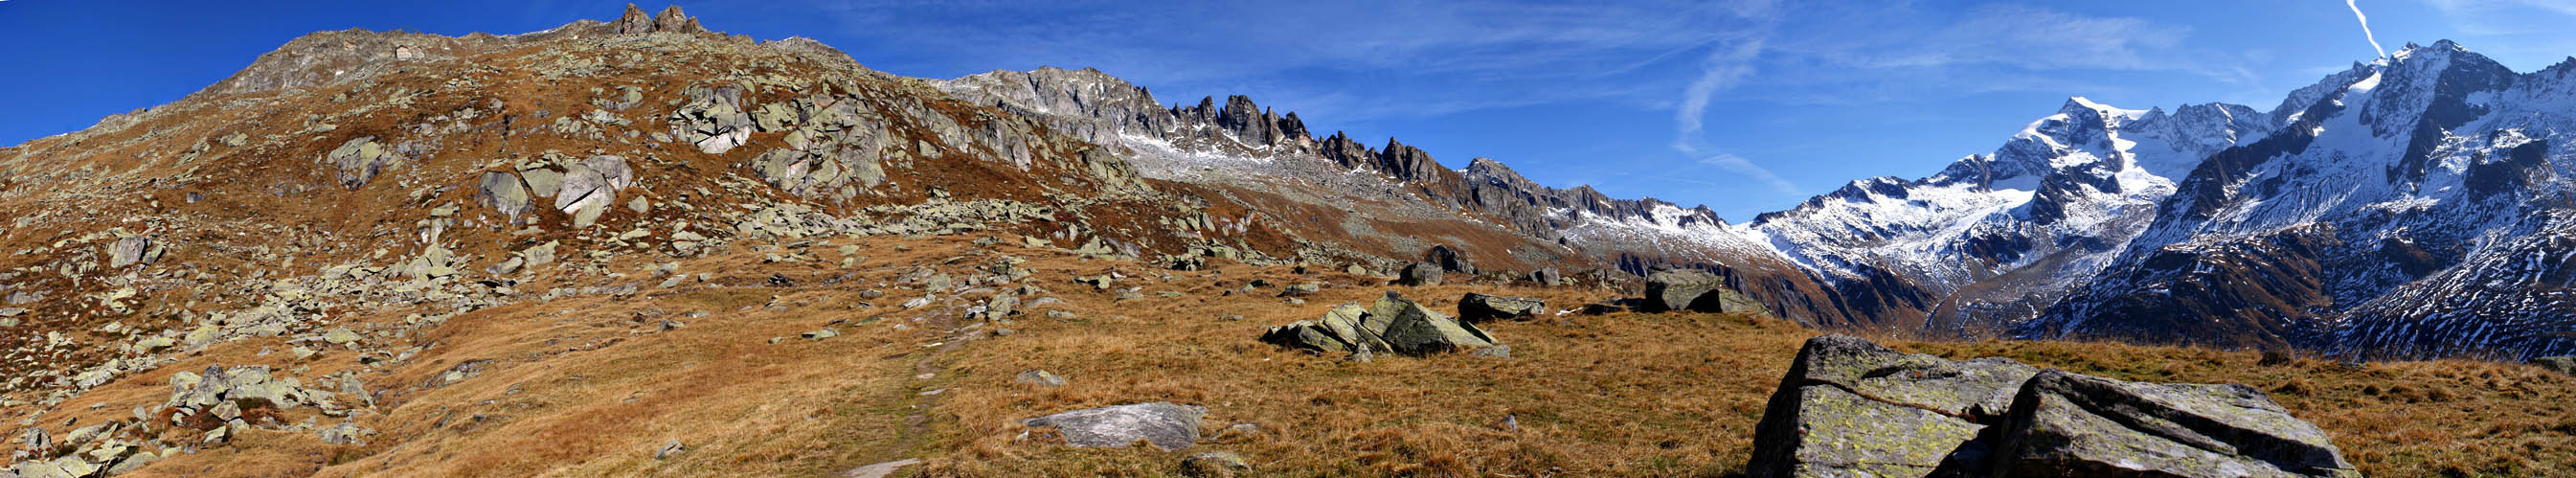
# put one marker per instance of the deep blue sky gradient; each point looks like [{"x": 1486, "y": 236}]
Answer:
[{"x": 1813, "y": 94}]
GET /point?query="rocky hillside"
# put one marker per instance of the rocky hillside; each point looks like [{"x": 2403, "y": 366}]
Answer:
[{"x": 1240, "y": 146}]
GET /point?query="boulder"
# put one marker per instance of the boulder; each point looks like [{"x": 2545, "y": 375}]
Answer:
[
  {"x": 1040, "y": 378},
  {"x": 1480, "y": 307},
  {"x": 504, "y": 193},
  {"x": 1166, "y": 425},
  {"x": 1410, "y": 328},
  {"x": 1419, "y": 274},
  {"x": 2565, "y": 364},
  {"x": 131, "y": 250},
  {"x": 1301, "y": 290},
  {"x": 592, "y": 184},
  {"x": 1849, "y": 407},
  {"x": 1852, "y": 407},
  {"x": 2067, "y": 424},
  {"x": 1614, "y": 305},
  {"x": 1696, "y": 291},
  {"x": 1547, "y": 276},
  {"x": 1215, "y": 464},
  {"x": 1449, "y": 260},
  {"x": 1393, "y": 323}
]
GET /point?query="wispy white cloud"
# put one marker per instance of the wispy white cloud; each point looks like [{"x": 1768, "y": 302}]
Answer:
[
  {"x": 1724, "y": 66},
  {"x": 1727, "y": 62},
  {"x": 2365, "y": 27},
  {"x": 1746, "y": 167}
]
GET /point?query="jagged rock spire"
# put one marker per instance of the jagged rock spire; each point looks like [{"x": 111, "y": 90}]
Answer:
[
  {"x": 634, "y": 21},
  {"x": 670, "y": 20}
]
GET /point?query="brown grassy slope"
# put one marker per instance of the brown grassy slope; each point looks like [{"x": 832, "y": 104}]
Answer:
[
  {"x": 1634, "y": 395},
  {"x": 1630, "y": 395}
]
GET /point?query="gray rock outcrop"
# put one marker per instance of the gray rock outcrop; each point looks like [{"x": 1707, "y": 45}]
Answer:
[
  {"x": 1852, "y": 407},
  {"x": 1849, "y": 407},
  {"x": 1480, "y": 307},
  {"x": 1696, "y": 291},
  {"x": 1419, "y": 274},
  {"x": 2565, "y": 364},
  {"x": 2063, "y": 423},
  {"x": 1393, "y": 324},
  {"x": 504, "y": 193},
  {"x": 1166, "y": 425}
]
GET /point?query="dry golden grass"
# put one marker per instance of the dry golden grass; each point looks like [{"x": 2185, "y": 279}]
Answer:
[{"x": 1627, "y": 395}]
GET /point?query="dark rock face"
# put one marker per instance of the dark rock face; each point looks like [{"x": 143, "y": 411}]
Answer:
[
  {"x": 1419, "y": 274},
  {"x": 1480, "y": 308},
  {"x": 1547, "y": 276},
  {"x": 1851, "y": 407},
  {"x": 1449, "y": 260},
  {"x": 2062, "y": 423},
  {"x": 1164, "y": 424}
]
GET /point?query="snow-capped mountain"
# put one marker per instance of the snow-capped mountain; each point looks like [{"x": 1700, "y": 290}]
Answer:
[
  {"x": 2413, "y": 206},
  {"x": 1997, "y": 236},
  {"x": 2407, "y": 206}
]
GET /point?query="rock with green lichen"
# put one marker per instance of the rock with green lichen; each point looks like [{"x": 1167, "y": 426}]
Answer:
[
  {"x": 2068, "y": 424},
  {"x": 1851, "y": 407},
  {"x": 1391, "y": 324}
]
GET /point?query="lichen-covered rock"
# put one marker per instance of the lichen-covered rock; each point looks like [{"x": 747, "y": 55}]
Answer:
[
  {"x": 1547, "y": 276},
  {"x": 504, "y": 193},
  {"x": 592, "y": 185},
  {"x": 1215, "y": 464},
  {"x": 1166, "y": 425},
  {"x": 1393, "y": 324},
  {"x": 359, "y": 160},
  {"x": 2565, "y": 364},
  {"x": 1419, "y": 274},
  {"x": 1696, "y": 291},
  {"x": 1851, "y": 407},
  {"x": 1480, "y": 307},
  {"x": 1040, "y": 378},
  {"x": 2067, "y": 424},
  {"x": 1413, "y": 329},
  {"x": 131, "y": 250}
]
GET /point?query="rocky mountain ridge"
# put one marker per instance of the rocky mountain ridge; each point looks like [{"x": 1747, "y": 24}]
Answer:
[{"x": 2435, "y": 162}]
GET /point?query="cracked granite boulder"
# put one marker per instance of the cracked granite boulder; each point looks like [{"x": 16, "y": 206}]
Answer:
[
  {"x": 2068, "y": 424},
  {"x": 1392, "y": 324},
  {"x": 1849, "y": 407}
]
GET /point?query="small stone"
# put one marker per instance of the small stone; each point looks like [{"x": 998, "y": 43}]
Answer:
[
  {"x": 668, "y": 449},
  {"x": 1040, "y": 378},
  {"x": 1215, "y": 464}
]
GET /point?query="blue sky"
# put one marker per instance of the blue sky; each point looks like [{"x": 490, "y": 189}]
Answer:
[{"x": 1747, "y": 106}]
